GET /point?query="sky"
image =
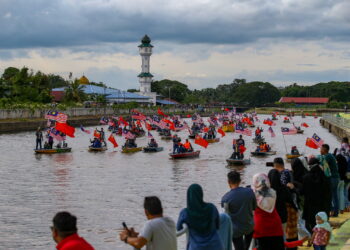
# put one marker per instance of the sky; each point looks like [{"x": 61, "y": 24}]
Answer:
[{"x": 201, "y": 43}]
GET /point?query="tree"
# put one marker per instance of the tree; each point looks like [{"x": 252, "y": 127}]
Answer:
[
  {"x": 172, "y": 89},
  {"x": 74, "y": 92},
  {"x": 255, "y": 94}
]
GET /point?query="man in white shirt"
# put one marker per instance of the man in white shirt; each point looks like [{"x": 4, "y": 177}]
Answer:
[{"x": 159, "y": 233}]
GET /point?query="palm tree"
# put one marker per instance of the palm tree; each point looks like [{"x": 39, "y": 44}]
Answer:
[{"x": 75, "y": 92}]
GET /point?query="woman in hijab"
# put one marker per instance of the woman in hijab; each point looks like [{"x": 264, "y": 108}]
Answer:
[
  {"x": 317, "y": 193},
  {"x": 342, "y": 186},
  {"x": 268, "y": 232},
  {"x": 202, "y": 220}
]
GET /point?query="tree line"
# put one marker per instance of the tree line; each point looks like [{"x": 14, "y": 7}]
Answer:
[{"x": 26, "y": 86}]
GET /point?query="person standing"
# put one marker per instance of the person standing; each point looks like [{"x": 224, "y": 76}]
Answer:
[
  {"x": 202, "y": 220},
  {"x": 240, "y": 203},
  {"x": 268, "y": 231},
  {"x": 330, "y": 169},
  {"x": 158, "y": 233},
  {"x": 317, "y": 193},
  {"x": 39, "y": 138},
  {"x": 65, "y": 233}
]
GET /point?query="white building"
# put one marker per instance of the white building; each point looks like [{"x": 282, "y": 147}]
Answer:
[{"x": 145, "y": 77}]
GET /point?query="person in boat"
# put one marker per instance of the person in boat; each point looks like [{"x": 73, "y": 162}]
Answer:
[
  {"x": 176, "y": 141},
  {"x": 166, "y": 132},
  {"x": 50, "y": 141},
  {"x": 294, "y": 151},
  {"x": 181, "y": 148},
  {"x": 153, "y": 143},
  {"x": 188, "y": 146},
  {"x": 102, "y": 136},
  {"x": 39, "y": 138},
  {"x": 96, "y": 143},
  {"x": 240, "y": 141},
  {"x": 46, "y": 145},
  {"x": 257, "y": 149},
  {"x": 235, "y": 154},
  {"x": 258, "y": 134},
  {"x": 130, "y": 143}
]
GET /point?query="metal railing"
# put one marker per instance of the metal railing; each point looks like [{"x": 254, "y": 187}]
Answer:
[{"x": 340, "y": 121}]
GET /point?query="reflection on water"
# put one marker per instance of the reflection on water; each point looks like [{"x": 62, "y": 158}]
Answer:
[{"x": 104, "y": 189}]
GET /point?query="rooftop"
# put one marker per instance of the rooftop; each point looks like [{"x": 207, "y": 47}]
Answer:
[{"x": 311, "y": 100}]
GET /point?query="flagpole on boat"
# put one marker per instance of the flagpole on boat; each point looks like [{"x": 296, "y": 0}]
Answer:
[{"x": 285, "y": 146}]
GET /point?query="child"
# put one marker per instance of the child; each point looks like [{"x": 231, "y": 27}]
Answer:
[{"x": 321, "y": 232}]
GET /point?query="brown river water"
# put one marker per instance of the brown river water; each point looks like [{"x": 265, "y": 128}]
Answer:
[{"x": 105, "y": 189}]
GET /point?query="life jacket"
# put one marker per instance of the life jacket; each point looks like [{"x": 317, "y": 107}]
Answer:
[{"x": 187, "y": 145}]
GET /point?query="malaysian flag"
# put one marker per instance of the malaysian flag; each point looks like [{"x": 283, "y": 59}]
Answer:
[
  {"x": 317, "y": 140},
  {"x": 272, "y": 132},
  {"x": 130, "y": 135},
  {"x": 149, "y": 135},
  {"x": 84, "y": 130},
  {"x": 56, "y": 116},
  {"x": 289, "y": 131},
  {"x": 57, "y": 135},
  {"x": 244, "y": 131}
]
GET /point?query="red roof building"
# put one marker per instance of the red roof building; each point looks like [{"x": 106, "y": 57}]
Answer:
[
  {"x": 57, "y": 95},
  {"x": 304, "y": 100}
]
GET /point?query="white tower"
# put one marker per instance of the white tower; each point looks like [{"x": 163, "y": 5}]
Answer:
[{"x": 145, "y": 77}]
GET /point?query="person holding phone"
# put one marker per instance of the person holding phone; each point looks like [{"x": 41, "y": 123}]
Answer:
[{"x": 158, "y": 233}]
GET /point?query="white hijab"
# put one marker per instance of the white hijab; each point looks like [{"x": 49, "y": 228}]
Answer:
[{"x": 265, "y": 195}]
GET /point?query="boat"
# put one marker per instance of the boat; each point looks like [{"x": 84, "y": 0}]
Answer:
[
  {"x": 140, "y": 134},
  {"x": 286, "y": 121},
  {"x": 238, "y": 161},
  {"x": 192, "y": 136},
  {"x": 100, "y": 149},
  {"x": 152, "y": 149},
  {"x": 263, "y": 153},
  {"x": 258, "y": 141},
  {"x": 228, "y": 128},
  {"x": 166, "y": 137},
  {"x": 53, "y": 150},
  {"x": 274, "y": 118},
  {"x": 290, "y": 156},
  {"x": 213, "y": 140},
  {"x": 251, "y": 126},
  {"x": 185, "y": 155},
  {"x": 300, "y": 131},
  {"x": 131, "y": 150}
]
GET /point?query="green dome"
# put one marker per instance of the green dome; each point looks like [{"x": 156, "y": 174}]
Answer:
[{"x": 146, "y": 40}]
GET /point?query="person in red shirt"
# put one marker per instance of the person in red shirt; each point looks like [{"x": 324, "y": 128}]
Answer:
[
  {"x": 268, "y": 232},
  {"x": 65, "y": 233}
]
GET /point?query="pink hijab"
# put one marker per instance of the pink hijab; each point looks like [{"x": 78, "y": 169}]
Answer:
[{"x": 265, "y": 195}]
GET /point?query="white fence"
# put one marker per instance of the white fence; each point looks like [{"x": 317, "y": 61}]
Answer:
[{"x": 340, "y": 121}]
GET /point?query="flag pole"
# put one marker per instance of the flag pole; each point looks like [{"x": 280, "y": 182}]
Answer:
[{"x": 285, "y": 146}]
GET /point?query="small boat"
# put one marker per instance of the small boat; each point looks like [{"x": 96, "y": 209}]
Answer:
[
  {"x": 192, "y": 136},
  {"x": 166, "y": 137},
  {"x": 258, "y": 141},
  {"x": 286, "y": 121},
  {"x": 263, "y": 153},
  {"x": 300, "y": 131},
  {"x": 228, "y": 128},
  {"x": 238, "y": 161},
  {"x": 53, "y": 151},
  {"x": 213, "y": 140},
  {"x": 290, "y": 156},
  {"x": 152, "y": 149},
  {"x": 252, "y": 126},
  {"x": 185, "y": 155},
  {"x": 274, "y": 118},
  {"x": 100, "y": 149},
  {"x": 131, "y": 150},
  {"x": 140, "y": 134}
]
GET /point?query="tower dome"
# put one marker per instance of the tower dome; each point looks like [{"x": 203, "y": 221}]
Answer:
[
  {"x": 145, "y": 42},
  {"x": 84, "y": 80}
]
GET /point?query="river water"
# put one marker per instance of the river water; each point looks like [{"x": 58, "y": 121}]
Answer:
[{"x": 105, "y": 189}]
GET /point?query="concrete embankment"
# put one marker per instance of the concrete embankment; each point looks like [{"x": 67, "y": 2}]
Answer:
[{"x": 335, "y": 128}]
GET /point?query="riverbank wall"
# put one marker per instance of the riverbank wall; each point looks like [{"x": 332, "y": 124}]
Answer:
[{"x": 336, "y": 126}]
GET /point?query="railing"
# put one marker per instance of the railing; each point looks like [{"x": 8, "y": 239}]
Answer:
[{"x": 340, "y": 121}]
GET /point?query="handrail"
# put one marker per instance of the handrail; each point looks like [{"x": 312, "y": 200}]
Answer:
[{"x": 340, "y": 121}]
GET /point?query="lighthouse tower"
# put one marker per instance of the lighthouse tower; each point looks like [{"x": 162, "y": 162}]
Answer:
[{"x": 145, "y": 77}]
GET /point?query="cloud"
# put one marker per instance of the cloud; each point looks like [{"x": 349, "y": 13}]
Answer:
[{"x": 69, "y": 23}]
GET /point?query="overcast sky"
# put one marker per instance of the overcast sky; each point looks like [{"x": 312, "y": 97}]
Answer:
[{"x": 199, "y": 42}]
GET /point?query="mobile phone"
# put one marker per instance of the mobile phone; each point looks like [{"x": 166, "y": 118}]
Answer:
[
  {"x": 269, "y": 164},
  {"x": 125, "y": 226}
]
